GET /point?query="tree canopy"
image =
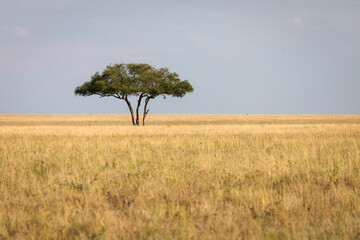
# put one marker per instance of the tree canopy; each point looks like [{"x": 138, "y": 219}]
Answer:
[{"x": 137, "y": 79}]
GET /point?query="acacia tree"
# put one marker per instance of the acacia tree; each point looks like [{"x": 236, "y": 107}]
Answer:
[{"x": 135, "y": 79}]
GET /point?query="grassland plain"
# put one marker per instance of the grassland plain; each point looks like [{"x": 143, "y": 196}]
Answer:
[{"x": 180, "y": 177}]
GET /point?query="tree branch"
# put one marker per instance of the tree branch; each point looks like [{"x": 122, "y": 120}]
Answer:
[
  {"x": 137, "y": 108},
  {"x": 130, "y": 108},
  {"x": 146, "y": 111},
  {"x": 117, "y": 95}
]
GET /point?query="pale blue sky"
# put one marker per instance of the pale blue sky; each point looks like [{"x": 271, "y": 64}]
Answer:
[{"x": 270, "y": 57}]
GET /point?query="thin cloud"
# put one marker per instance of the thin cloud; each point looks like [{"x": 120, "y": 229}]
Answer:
[
  {"x": 197, "y": 38},
  {"x": 20, "y": 32},
  {"x": 297, "y": 21},
  {"x": 13, "y": 64}
]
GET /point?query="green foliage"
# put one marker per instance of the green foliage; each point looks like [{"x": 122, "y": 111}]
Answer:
[{"x": 122, "y": 80}]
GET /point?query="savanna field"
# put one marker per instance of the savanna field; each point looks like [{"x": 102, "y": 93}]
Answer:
[{"x": 180, "y": 177}]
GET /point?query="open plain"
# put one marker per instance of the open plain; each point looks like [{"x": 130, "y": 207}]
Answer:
[{"x": 180, "y": 177}]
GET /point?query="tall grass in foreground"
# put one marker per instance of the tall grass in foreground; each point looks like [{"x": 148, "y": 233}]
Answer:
[{"x": 183, "y": 177}]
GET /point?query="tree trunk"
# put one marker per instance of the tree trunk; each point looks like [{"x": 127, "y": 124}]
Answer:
[
  {"x": 146, "y": 111},
  {"x": 137, "y": 108},
  {"x": 131, "y": 110}
]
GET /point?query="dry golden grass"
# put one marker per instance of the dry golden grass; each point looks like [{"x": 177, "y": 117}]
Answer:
[{"x": 182, "y": 177}]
